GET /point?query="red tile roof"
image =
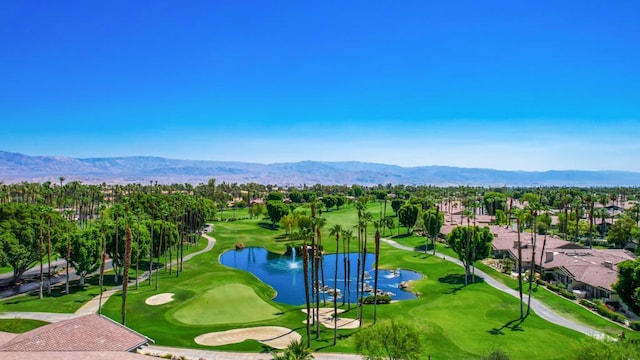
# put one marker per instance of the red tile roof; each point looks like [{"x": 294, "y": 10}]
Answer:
[
  {"x": 589, "y": 266},
  {"x": 85, "y": 333},
  {"x": 73, "y": 355}
]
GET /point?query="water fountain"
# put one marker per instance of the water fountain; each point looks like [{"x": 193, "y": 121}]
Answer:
[{"x": 293, "y": 264}]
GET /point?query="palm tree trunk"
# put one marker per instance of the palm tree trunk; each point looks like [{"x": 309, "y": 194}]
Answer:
[
  {"x": 68, "y": 255},
  {"x": 346, "y": 273},
  {"x": 159, "y": 248},
  {"x": 125, "y": 276},
  {"x": 41, "y": 255},
  {"x": 335, "y": 291},
  {"x": 49, "y": 255},
  {"x": 102, "y": 265},
  {"x": 375, "y": 279},
  {"x": 153, "y": 225},
  {"x": 305, "y": 269},
  {"x": 520, "y": 269},
  {"x": 532, "y": 271},
  {"x": 364, "y": 261}
]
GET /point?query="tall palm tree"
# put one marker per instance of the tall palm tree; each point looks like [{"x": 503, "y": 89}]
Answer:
[
  {"x": 319, "y": 270},
  {"x": 375, "y": 279},
  {"x": 591, "y": 205},
  {"x": 360, "y": 206},
  {"x": 48, "y": 251},
  {"x": 125, "y": 276},
  {"x": 519, "y": 214},
  {"x": 41, "y": 255},
  {"x": 547, "y": 220},
  {"x": 67, "y": 215},
  {"x": 347, "y": 235},
  {"x": 102, "y": 263},
  {"x": 305, "y": 269},
  {"x": 153, "y": 225},
  {"x": 367, "y": 218},
  {"x": 533, "y": 208},
  {"x": 335, "y": 230}
]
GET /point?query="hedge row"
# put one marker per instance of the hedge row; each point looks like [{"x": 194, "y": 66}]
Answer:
[
  {"x": 382, "y": 299},
  {"x": 562, "y": 291},
  {"x": 588, "y": 304},
  {"x": 605, "y": 311}
]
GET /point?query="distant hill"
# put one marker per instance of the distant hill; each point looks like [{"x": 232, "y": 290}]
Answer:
[{"x": 16, "y": 167}]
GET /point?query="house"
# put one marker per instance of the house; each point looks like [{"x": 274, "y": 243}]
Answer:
[
  {"x": 85, "y": 337},
  {"x": 589, "y": 273}
]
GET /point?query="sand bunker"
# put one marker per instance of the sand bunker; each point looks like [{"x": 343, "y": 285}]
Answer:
[
  {"x": 326, "y": 319},
  {"x": 275, "y": 336},
  {"x": 159, "y": 299}
]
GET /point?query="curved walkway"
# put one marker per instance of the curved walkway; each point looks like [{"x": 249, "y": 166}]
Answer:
[{"x": 542, "y": 310}]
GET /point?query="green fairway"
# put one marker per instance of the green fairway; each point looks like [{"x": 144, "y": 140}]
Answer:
[{"x": 226, "y": 304}]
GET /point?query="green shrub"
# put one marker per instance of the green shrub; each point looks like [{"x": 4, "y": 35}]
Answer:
[
  {"x": 382, "y": 299},
  {"x": 635, "y": 325},
  {"x": 606, "y": 312},
  {"x": 561, "y": 290},
  {"x": 567, "y": 294},
  {"x": 587, "y": 303}
]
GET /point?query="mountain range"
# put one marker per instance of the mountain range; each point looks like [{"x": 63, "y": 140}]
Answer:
[{"x": 15, "y": 167}]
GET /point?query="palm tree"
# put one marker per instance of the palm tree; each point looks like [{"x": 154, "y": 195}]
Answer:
[
  {"x": 295, "y": 351},
  {"x": 41, "y": 256},
  {"x": 375, "y": 279},
  {"x": 67, "y": 215},
  {"x": 335, "y": 230},
  {"x": 547, "y": 221},
  {"x": 125, "y": 276},
  {"x": 319, "y": 270},
  {"x": 102, "y": 263},
  {"x": 347, "y": 235},
  {"x": 48, "y": 251},
  {"x": 533, "y": 208},
  {"x": 306, "y": 233},
  {"x": 519, "y": 214},
  {"x": 591, "y": 203},
  {"x": 367, "y": 218},
  {"x": 153, "y": 225}
]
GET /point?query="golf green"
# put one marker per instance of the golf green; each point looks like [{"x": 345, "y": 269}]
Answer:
[{"x": 226, "y": 304}]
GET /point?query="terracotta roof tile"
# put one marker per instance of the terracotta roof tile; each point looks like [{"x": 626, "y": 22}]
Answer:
[
  {"x": 86, "y": 333},
  {"x": 78, "y": 355}
]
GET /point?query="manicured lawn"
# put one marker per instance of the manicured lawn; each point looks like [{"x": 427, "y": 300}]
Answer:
[
  {"x": 459, "y": 322},
  {"x": 20, "y": 325}
]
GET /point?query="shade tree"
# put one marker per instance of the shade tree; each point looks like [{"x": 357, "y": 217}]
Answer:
[{"x": 470, "y": 243}]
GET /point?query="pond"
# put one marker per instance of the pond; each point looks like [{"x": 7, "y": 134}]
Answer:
[{"x": 285, "y": 275}]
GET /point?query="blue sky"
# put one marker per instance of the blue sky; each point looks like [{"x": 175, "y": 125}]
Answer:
[{"x": 499, "y": 84}]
